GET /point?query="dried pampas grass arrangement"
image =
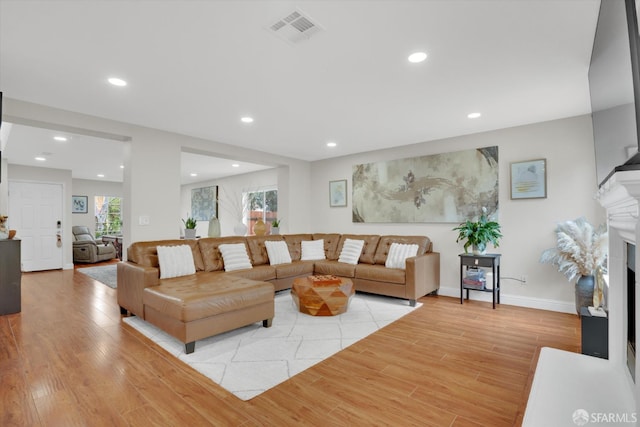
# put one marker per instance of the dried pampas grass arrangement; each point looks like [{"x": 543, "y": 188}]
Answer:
[{"x": 581, "y": 248}]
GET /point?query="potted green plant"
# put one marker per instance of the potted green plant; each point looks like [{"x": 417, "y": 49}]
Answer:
[
  {"x": 478, "y": 233},
  {"x": 581, "y": 250},
  {"x": 275, "y": 226},
  {"x": 189, "y": 227}
]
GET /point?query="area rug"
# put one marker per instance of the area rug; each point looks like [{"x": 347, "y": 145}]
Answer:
[
  {"x": 105, "y": 274},
  {"x": 250, "y": 360}
]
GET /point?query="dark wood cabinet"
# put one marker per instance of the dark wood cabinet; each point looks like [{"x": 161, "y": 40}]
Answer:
[{"x": 10, "y": 276}]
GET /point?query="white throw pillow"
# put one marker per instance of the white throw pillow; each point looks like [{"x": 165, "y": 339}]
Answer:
[
  {"x": 278, "y": 252},
  {"x": 175, "y": 261},
  {"x": 235, "y": 256},
  {"x": 312, "y": 250},
  {"x": 398, "y": 254},
  {"x": 351, "y": 251}
]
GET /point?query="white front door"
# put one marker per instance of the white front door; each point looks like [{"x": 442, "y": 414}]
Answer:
[{"x": 35, "y": 211}]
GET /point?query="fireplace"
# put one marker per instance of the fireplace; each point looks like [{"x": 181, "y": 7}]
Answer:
[
  {"x": 571, "y": 386},
  {"x": 631, "y": 309},
  {"x": 620, "y": 196}
]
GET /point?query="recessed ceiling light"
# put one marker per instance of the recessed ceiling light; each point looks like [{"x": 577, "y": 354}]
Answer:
[
  {"x": 117, "y": 82},
  {"x": 246, "y": 119},
  {"x": 100, "y": 175},
  {"x": 417, "y": 57},
  {"x": 331, "y": 144},
  {"x": 60, "y": 138},
  {"x": 40, "y": 159},
  {"x": 473, "y": 115},
  {"x": 235, "y": 165},
  {"x": 193, "y": 174},
  {"x": 121, "y": 166}
]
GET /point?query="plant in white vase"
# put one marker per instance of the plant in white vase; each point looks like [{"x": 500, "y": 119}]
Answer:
[
  {"x": 189, "y": 227},
  {"x": 275, "y": 226},
  {"x": 478, "y": 234}
]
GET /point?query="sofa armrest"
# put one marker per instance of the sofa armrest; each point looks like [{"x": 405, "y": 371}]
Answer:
[
  {"x": 132, "y": 280},
  {"x": 422, "y": 275}
]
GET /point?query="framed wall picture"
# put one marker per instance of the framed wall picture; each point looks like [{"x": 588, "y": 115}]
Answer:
[
  {"x": 204, "y": 203},
  {"x": 529, "y": 179},
  {"x": 446, "y": 187},
  {"x": 79, "y": 204},
  {"x": 338, "y": 193}
]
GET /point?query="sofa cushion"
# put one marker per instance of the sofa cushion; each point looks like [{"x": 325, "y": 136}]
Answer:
[
  {"x": 369, "y": 248},
  {"x": 235, "y": 256},
  {"x": 331, "y": 241},
  {"x": 380, "y": 273},
  {"x": 351, "y": 250},
  {"x": 146, "y": 254},
  {"x": 423, "y": 242},
  {"x": 298, "y": 268},
  {"x": 211, "y": 257},
  {"x": 175, "y": 261},
  {"x": 205, "y": 294},
  {"x": 312, "y": 250},
  {"x": 261, "y": 272},
  {"x": 294, "y": 242},
  {"x": 398, "y": 254},
  {"x": 278, "y": 252},
  {"x": 334, "y": 268},
  {"x": 257, "y": 249}
]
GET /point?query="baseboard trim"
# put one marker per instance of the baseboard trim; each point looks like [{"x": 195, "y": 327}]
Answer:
[{"x": 517, "y": 300}]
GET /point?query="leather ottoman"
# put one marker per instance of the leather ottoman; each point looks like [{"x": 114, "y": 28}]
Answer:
[{"x": 201, "y": 305}]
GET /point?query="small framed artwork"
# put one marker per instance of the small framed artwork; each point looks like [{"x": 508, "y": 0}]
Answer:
[
  {"x": 529, "y": 179},
  {"x": 204, "y": 203},
  {"x": 338, "y": 193},
  {"x": 79, "y": 204}
]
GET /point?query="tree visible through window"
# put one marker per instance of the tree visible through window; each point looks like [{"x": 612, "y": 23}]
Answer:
[
  {"x": 262, "y": 205},
  {"x": 108, "y": 215}
]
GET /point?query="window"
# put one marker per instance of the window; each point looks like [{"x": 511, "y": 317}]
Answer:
[
  {"x": 108, "y": 215},
  {"x": 262, "y": 205}
]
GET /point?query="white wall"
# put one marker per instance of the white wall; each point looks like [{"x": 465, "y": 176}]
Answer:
[
  {"x": 50, "y": 176},
  {"x": 4, "y": 187},
  {"x": 229, "y": 211},
  {"x": 71, "y": 187},
  {"x": 151, "y": 187},
  {"x": 92, "y": 188},
  {"x": 527, "y": 225}
]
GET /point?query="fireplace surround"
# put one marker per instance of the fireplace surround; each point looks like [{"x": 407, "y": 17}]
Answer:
[
  {"x": 567, "y": 386},
  {"x": 620, "y": 196}
]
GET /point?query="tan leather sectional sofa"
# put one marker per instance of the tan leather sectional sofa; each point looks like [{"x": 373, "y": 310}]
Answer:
[{"x": 212, "y": 301}]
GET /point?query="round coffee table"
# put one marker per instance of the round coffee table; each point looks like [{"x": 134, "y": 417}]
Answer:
[{"x": 322, "y": 295}]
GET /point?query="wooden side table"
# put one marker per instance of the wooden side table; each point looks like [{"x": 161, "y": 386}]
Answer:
[
  {"x": 486, "y": 260},
  {"x": 322, "y": 295}
]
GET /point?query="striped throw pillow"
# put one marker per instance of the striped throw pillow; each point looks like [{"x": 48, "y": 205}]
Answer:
[{"x": 398, "y": 254}]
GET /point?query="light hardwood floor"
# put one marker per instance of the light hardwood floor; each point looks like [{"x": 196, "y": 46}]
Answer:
[{"x": 68, "y": 360}]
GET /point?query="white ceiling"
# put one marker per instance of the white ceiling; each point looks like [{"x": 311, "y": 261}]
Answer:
[
  {"x": 196, "y": 67},
  {"x": 88, "y": 156}
]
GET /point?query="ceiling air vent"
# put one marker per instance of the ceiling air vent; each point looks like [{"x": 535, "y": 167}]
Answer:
[{"x": 295, "y": 27}]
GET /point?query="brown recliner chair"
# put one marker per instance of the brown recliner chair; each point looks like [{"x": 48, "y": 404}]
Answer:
[{"x": 86, "y": 249}]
